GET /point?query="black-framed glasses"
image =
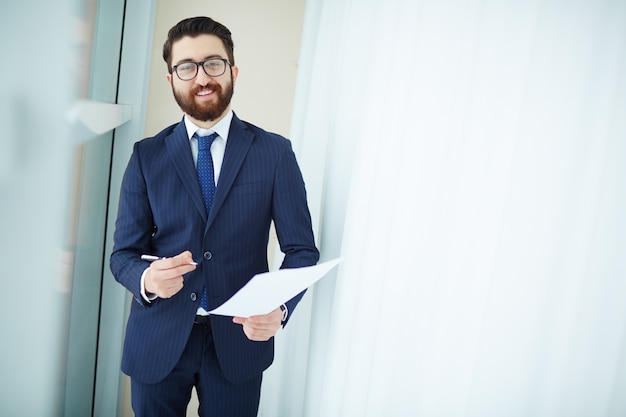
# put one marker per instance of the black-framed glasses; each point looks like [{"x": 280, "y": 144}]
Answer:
[{"x": 213, "y": 67}]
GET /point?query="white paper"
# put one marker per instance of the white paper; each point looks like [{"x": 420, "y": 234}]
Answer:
[{"x": 264, "y": 292}]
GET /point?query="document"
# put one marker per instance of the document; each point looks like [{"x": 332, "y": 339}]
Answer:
[{"x": 264, "y": 292}]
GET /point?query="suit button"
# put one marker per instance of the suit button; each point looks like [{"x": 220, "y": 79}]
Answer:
[
  {"x": 193, "y": 296},
  {"x": 207, "y": 255}
]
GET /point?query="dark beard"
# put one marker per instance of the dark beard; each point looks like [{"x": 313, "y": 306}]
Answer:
[{"x": 209, "y": 112}]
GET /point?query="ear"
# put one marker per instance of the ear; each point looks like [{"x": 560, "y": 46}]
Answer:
[
  {"x": 235, "y": 70},
  {"x": 169, "y": 79}
]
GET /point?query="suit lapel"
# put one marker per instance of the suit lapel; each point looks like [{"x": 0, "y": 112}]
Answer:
[
  {"x": 178, "y": 147},
  {"x": 237, "y": 146}
]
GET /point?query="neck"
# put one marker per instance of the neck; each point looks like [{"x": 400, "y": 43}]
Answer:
[{"x": 208, "y": 123}]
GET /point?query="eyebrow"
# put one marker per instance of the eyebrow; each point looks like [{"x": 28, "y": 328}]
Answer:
[{"x": 182, "y": 61}]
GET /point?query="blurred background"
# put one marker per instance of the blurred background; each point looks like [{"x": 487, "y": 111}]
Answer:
[{"x": 465, "y": 158}]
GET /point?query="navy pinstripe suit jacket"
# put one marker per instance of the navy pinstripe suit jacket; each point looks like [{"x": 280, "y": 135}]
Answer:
[{"x": 161, "y": 212}]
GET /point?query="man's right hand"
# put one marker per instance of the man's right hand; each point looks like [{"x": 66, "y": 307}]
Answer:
[{"x": 165, "y": 276}]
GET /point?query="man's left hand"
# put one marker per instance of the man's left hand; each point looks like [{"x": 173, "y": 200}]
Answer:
[{"x": 261, "y": 328}]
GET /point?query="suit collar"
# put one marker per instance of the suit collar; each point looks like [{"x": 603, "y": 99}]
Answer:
[
  {"x": 237, "y": 146},
  {"x": 239, "y": 140},
  {"x": 178, "y": 147}
]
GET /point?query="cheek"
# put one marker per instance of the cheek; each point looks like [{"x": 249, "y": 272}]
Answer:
[{"x": 179, "y": 90}]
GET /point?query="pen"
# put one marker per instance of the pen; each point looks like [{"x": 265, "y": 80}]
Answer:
[
  {"x": 156, "y": 258},
  {"x": 150, "y": 258}
]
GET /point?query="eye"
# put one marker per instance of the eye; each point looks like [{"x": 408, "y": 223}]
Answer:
[
  {"x": 213, "y": 65},
  {"x": 186, "y": 67}
]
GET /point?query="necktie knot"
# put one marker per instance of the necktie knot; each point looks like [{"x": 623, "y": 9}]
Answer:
[{"x": 205, "y": 142}]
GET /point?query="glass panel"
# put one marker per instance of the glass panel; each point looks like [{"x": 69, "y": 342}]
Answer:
[
  {"x": 37, "y": 150},
  {"x": 100, "y": 31}
]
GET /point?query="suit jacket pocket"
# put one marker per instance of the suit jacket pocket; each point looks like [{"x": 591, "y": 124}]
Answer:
[{"x": 246, "y": 189}]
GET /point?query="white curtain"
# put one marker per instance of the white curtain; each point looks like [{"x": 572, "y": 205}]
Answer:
[{"x": 467, "y": 159}]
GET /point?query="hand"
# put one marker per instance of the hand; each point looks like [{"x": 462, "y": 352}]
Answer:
[
  {"x": 165, "y": 276},
  {"x": 261, "y": 328}
]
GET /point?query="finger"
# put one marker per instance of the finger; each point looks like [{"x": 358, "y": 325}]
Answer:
[
  {"x": 182, "y": 259},
  {"x": 173, "y": 290},
  {"x": 172, "y": 264},
  {"x": 259, "y": 334},
  {"x": 272, "y": 317},
  {"x": 263, "y": 326},
  {"x": 260, "y": 328},
  {"x": 256, "y": 332},
  {"x": 253, "y": 334},
  {"x": 164, "y": 288},
  {"x": 161, "y": 272},
  {"x": 173, "y": 283}
]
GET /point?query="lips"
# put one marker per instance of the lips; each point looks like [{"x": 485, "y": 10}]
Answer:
[
  {"x": 207, "y": 90},
  {"x": 203, "y": 93}
]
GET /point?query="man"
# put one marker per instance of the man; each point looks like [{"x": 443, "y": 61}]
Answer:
[{"x": 204, "y": 237}]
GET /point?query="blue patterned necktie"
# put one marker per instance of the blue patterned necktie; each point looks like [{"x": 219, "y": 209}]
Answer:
[{"x": 206, "y": 177}]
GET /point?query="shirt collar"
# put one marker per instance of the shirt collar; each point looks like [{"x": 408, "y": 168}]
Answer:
[{"x": 221, "y": 128}]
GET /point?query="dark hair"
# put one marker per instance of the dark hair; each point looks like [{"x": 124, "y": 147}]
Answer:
[{"x": 195, "y": 26}]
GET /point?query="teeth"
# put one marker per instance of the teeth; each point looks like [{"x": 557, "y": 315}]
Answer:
[{"x": 204, "y": 93}]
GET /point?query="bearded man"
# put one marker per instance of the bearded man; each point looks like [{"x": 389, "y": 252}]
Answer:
[{"x": 196, "y": 204}]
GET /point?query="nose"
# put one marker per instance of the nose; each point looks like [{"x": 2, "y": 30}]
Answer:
[{"x": 202, "y": 78}]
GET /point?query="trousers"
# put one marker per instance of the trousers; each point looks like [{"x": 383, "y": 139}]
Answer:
[{"x": 198, "y": 366}]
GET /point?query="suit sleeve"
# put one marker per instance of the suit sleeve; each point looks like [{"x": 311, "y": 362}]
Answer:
[
  {"x": 292, "y": 219},
  {"x": 133, "y": 229}
]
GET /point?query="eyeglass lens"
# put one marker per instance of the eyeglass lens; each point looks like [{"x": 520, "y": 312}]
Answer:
[{"x": 212, "y": 67}]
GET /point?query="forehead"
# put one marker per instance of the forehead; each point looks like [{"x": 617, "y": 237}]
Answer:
[{"x": 197, "y": 48}]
